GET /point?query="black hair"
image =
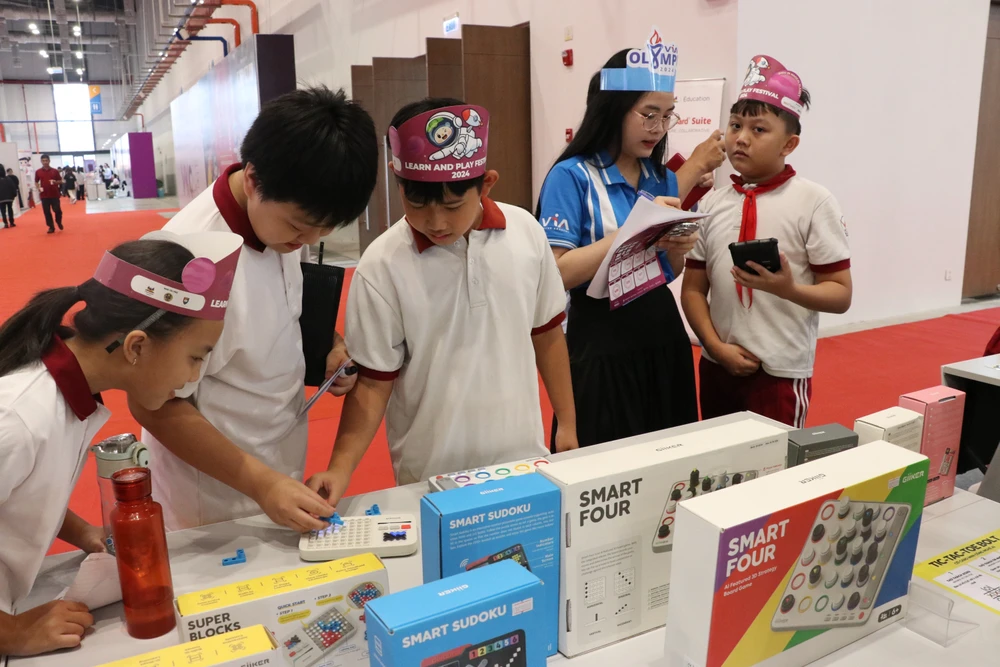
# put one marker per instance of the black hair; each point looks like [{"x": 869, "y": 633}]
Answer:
[
  {"x": 316, "y": 149},
  {"x": 45, "y": 156},
  {"x": 753, "y": 108},
  {"x": 28, "y": 333},
  {"x": 601, "y": 127},
  {"x": 421, "y": 192}
]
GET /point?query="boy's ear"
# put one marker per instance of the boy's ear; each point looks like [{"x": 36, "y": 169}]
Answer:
[
  {"x": 489, "y": 180},
  {"x": 249, "y": 180},
  {"x": 790, "y": 145}
]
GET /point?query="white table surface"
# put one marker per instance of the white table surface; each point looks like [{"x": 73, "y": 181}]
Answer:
[
  {"x": 196, "y": 564},
  {"x": 982, "y": 369}
]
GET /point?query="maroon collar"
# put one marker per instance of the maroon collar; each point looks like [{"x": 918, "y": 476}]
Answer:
[
  {"x": 234, "y": 214},
  {"x": 69, "y": 377},
  {"x": 493, "y": 218}
]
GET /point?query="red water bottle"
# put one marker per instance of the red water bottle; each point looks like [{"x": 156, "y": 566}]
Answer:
[{"x": 141, "y": 549}]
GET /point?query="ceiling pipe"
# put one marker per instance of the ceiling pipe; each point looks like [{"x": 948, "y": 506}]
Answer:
[
  {"x": 236, "y": 29},
  {"x": 254, "y": 19},
  {"x": 142, "y": 118},
  {"x": 170, "y": 52},
  {"x": 199, "y": 38}
]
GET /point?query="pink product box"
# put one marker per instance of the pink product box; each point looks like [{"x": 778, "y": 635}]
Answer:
[{"x": 943, "y": 409}]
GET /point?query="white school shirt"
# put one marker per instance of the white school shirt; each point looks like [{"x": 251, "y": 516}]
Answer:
[
  {"x": 251, "y": 387},
  {"x": 810, "y": 228},
  {"x": 48, "y": 418},
  {"x": 452, "y": 326}
]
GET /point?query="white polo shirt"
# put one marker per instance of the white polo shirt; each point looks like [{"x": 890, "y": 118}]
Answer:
[
  {"x": 810, "y": 228},
  {"x": 452, "y": 325},
  {"x": 48, "y": 418},
  {"x": 252, "y": 383}
]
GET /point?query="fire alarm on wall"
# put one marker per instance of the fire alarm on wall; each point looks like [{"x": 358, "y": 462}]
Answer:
[
  {"x": 569, "y": 134},
  {"x": 567, "y": 57}
]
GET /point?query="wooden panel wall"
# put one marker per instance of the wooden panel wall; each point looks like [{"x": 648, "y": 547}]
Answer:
[{"x": 497, "y": 75}]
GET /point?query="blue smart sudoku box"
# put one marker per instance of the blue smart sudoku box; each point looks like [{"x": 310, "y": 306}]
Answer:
[
  {"x": 483, "y": 616},
  {"x": 516, "y": 519}
]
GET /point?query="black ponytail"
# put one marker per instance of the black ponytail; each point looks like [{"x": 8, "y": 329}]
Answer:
[
  {"x": 28, "y": 333},
  {"x": 601, "y": 128}
]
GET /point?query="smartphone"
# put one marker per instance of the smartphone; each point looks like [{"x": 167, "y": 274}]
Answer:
[
  {"x": 684, "y": 228},
  {"x": 761, "y": 251}
]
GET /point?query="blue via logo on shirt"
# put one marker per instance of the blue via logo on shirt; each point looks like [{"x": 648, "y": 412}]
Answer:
[{"x": 553, "y": 222}]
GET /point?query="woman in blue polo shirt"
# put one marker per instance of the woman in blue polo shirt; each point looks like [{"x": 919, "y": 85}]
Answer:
[{"x": 632, "y": 368}]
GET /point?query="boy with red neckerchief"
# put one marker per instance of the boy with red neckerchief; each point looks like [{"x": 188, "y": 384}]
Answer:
[{"x": 758, "y": 334}]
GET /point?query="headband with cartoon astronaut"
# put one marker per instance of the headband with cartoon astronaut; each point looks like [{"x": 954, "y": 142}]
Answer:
[
  {"x": 653, "y": 68},
  {"x": 446, "y": 144}
]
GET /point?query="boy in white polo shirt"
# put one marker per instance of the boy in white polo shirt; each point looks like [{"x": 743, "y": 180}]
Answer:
[
  {"x": 234, "y": 443},
  {"x": 758, "y": 334},
  {"x": 449, "y": 312}
]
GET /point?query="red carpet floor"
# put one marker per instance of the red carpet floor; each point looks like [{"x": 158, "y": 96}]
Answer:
[{"x": 856, "y": 374}]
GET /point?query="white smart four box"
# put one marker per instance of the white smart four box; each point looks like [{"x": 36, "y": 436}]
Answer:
[
  {"x": 790, "y": 568},
  {"x": 898, "y": 426},
  {"x": 619, "y": 521}
]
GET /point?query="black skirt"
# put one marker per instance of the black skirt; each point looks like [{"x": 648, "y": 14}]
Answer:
[{"x": 632, "y": 368}]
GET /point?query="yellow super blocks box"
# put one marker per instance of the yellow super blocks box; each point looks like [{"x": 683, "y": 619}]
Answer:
[
  {"x": 313, "y": 613},
  {"x": 243, "y": 648}
]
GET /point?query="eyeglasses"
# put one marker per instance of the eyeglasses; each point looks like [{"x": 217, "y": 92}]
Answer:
[{"x": 653, "y": 121}]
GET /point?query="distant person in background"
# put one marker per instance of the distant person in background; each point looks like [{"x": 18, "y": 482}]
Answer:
[
  {"x": 48, "y": 181},
  {"x": 81, "y": 184},
  {"x": 107, "y": 175},
  {"x": 17, "y": 184},
  {"x": 70, "y": 179},
  {"x": 7, "y": 193}
]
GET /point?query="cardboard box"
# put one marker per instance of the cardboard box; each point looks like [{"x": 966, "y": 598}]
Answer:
[
  {"x": 618, "y": 523},
  {"x": 898, "y": 426},
  {"x": 673, "y": 432},
  {"x": 487, "y": 616},
  {"x": 943, "y": 410},
  {"x": 809, "y": 444},
  {"x": 796, "y": 565},
  {"x": 517, "y": 519},
  {"x": 492, "y": 473},
  {"x": 315, "y": 612},
  {"x": 243, "y": 648}
]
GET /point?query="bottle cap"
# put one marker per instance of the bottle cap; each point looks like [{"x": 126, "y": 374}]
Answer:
[{"x": 132, "y": 484}]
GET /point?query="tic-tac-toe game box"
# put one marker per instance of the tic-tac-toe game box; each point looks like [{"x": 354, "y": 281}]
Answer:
[
  {"x": 797, "y": 565},
  {"x": 489, "y": 616},
  {"x": 943, "y": 409},
  {"x": 515, "y": 519},
  {"x": 619, "y": 510},
  {"x": 316, "y": 614}
]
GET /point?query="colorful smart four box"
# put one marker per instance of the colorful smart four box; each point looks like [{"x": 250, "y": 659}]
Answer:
[
  {"x": 316, "y": 614},
  {"x": 795, "y": 566},
  {"x": 484, "y": 617},
  {"x": 619, "y": 522},
  {"x": 516, "y": 519}
]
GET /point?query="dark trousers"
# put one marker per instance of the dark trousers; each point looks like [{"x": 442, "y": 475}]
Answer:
[
  {"x": 48, "y": 205},
  {"x": 7, "y": 212}
]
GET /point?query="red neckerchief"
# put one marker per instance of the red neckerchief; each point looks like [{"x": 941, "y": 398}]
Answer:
[{"x": 748, "y": 225}]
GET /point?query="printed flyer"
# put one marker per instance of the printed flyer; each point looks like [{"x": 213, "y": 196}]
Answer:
[{"x": 971, "y": 570}]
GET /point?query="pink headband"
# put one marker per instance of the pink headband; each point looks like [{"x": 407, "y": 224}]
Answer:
[
  {"x": 205, "y": 282},
  {"x": 768, "y": 81},
  {"x": 441, "y": 145}
]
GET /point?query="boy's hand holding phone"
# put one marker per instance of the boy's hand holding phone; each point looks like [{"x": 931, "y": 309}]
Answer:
[{"x": 780, "y": 284}]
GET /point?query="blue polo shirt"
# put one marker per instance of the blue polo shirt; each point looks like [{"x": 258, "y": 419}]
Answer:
[{"x": 582, "y": 201}]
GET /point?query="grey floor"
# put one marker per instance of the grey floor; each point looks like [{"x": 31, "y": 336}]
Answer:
[{"x": 125, "y": 204}]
